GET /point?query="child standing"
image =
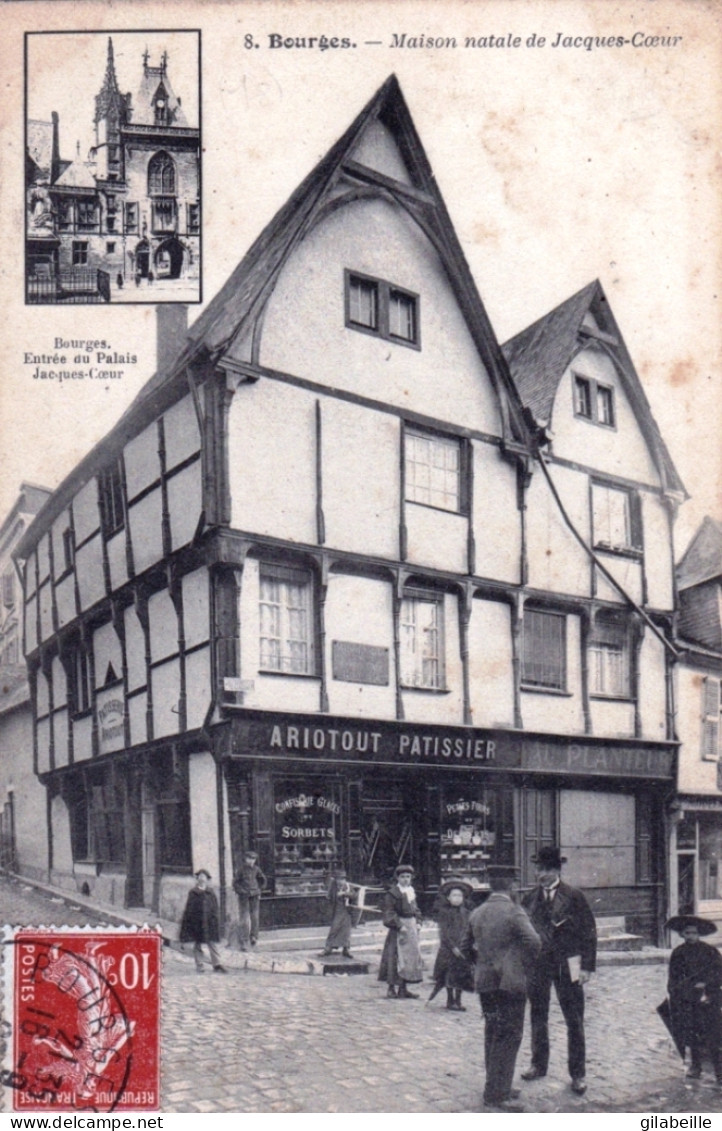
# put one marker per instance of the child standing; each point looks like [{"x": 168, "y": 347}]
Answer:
[
  {"x": 451, "y": 970},
  {"x": 695, "y": 994}
]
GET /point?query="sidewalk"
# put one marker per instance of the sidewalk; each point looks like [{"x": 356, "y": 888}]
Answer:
[{"x": 292, "y": 950}]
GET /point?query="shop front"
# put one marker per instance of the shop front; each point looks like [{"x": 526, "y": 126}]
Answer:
[
  {"x": 696, "y": 857},
  {"x": 310, "y": 795}
]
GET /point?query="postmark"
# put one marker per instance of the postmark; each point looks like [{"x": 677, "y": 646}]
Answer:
[{"x": 82, "y": 1010}]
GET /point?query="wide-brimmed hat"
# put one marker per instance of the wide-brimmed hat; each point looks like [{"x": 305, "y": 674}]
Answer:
[
  {"x": 679, "y": 923},
  {"x": 549, "y": 857},
  {"x": 453, "y": 882},
  {"x": 403, "y": 870},
  {"x": 203, "y": 872}
]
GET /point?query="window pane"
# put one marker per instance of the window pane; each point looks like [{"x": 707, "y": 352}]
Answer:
[
  {"x": 582, "y": 397},
  {"x": 363, "y": 303},
  {"x": 433, "y": 471},
  {"x": 286, "y": 622},
  {"x": 402, "y": 316},
  {"x": 605, "y": 405},
  {"x": 421, "y": 643},
  {"x": 611, "y": 517}
]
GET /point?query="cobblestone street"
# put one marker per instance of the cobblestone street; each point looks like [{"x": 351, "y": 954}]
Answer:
[{"x": 252, "y": 1041}]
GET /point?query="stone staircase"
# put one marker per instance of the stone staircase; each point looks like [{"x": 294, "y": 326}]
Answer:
[{"x": 612, "y": 934}]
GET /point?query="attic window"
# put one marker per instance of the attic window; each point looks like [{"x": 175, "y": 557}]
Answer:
[
  {"x": 593, "y": 402},
  {"x": 375, "y": 306}
]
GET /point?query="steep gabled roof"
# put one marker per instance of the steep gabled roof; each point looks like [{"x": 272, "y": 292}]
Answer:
[
  {"x": 78, "y": 174},
  {"x": 702, "y": 560},
  {"x": 253, "y": 279},
  {"x": 539, "y": 356}
]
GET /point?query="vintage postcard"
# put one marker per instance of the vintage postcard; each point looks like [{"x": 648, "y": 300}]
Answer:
[{"x": 361, "y": 557}]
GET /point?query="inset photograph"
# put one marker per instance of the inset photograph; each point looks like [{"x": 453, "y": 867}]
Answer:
[{"x": 112, "y": 168}]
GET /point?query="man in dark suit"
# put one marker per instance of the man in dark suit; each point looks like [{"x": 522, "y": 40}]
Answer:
[
  {"x": 503, "y": 944},
  {"x": 565, "y": 924}
]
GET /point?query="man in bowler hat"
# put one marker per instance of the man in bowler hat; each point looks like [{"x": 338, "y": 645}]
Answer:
[
  {"x": 565, "y": 924},
  {"x": 502, "y": 942},
  {"x": 201, "y": 922}
]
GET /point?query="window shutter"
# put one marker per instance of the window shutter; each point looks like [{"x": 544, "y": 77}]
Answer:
[{"x": 710, "y": 718}]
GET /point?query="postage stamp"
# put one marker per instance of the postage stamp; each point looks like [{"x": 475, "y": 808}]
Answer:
[{"x": 81, "y": 1019}]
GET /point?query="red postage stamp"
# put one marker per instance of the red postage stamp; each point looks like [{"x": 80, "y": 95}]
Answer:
[{"x": 82, "y": 1019}]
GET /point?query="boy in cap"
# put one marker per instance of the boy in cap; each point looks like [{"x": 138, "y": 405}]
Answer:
[
  {"x": 201, "y": 922},
  {"x": 564, "y": 922},
  {"x": 248, "y": 884},
  {"x": 401, "y": 960},
  {"x": 504, "y": 945},
  {"x": 695, "y": 994}
]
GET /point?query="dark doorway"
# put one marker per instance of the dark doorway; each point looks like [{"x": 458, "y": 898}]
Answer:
[
  {"x": 142, "y": 260},
  {"x": 169, "y": 259}
]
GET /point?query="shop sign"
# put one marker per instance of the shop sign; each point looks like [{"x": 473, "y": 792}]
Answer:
[
  {"x": 404, "y": 745},
  {"x": 573, "y": 757},
  {"x": 111, "y": 718}
]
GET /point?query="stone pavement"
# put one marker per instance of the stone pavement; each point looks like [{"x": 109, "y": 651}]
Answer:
[{"x": 255, "y": 1041}]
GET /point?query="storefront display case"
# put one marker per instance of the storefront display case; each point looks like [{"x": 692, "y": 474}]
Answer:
[{"x": 306, "y": 838}]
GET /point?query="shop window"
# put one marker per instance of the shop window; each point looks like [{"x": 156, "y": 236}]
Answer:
[
  {"x": 616, "y": 518},
  {"x": 421, "y": 623},
  {"x": 598, "y": 835},
  {"x": 433, "y": 470},
  {"x": 80, "y": 253},
  {"x": 376, "y": 307},
  {"x": 110, "y": 485},
  {"x": 544, "y": 645},
  {"x": 593, "y": 402},
  {"x": 477, "y": 829},
  {"x": 286, "y": 620},
  {"x": 161, "y": 175},
  {"x": 609, "y": 659},
  {"x": 711, "y": 712},
  {"x": 306, "y": 836}
]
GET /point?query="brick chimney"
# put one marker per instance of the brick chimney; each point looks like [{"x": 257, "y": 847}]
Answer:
[{"x": 171, "y": 327}]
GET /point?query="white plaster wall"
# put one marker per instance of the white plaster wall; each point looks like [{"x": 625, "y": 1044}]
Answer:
[
  {"x": 496, "y": 519},
  {"x": 31, "y": 624},
  {"x": 491, "y": 677},
  {"x": 437, "y": 538},
  {"x": 86, "y": 516},
  {"x": 142, "y": 464},
  {"x": 60, "y": 824},
  {"x": 89, "y": 570},
  {"x": 163, "y": 624},
  {"x": 652, "y": 688},
  {"x": 43, "y": 558},
  {"x": 359, "y": 610},
  {"x": 43, "y": 732},
  {"x": 556, "y": 560},
  {"x": 198, "y": 687},
  {"x": 626, "y": 571},
  {"x": 182, "y": 438},
  {"x": 46, "y": 611},
  {"x": 658, "y": 552},
  {"x": 614, "y": 719},
  {"x": 60, "y": 737},
  {"x": 57, "y": 530},
  {"x": 272, "y": 461},
  {"x": 378, "y": 150},
  {"x": 561, "y": 713},
  {"x": 196, "y": 607},
  {"x": 106, "y": 650},
  {"x": 165, "y": 683},
  {"x": 617, "y": 451},
  {"x": 185, "y": 502},
  {"x": 434, "y": 706},
  {"x": 136, "y": 707},
  {"x": 65, "y": 600},
  {"x": 117, "y": 560},
  {"x": 305, "y": 333},
  {"x": 42, "y": 693},
  {"x": 82, "y": 739},
  {"x": 204, "y": 814},
  {"x": 361, "y": 481},
  {"x": 60, "y": 683},
  {"x": 146, "y": 518},
  {"x": 30, "y": 567},
  {"x": 134, "y": 649}
]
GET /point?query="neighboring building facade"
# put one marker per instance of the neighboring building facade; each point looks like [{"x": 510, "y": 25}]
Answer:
[
  {"x": 131, "y": 209},
  {"x": 315, "y": 593},
  {"x": 22, "y": 797},
  {"x": 696, "y": 829}
]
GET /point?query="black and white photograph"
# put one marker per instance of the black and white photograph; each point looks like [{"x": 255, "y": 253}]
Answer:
[
  {"x": 112, "y": 170},
  {"x": 361, "y": 624}
]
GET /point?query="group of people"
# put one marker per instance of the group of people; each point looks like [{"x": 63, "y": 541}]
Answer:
[
  {"x": 505, "y": 950},
  {"x": 515, "y": 950}
]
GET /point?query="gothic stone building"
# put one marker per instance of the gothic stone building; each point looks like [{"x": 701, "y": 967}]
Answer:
[
  {"x": 131, "y": 208},
  {"x": 329, "y": 590}
]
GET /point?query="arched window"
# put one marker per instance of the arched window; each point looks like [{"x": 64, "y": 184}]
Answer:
[{"x": 161, "y": 175}]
